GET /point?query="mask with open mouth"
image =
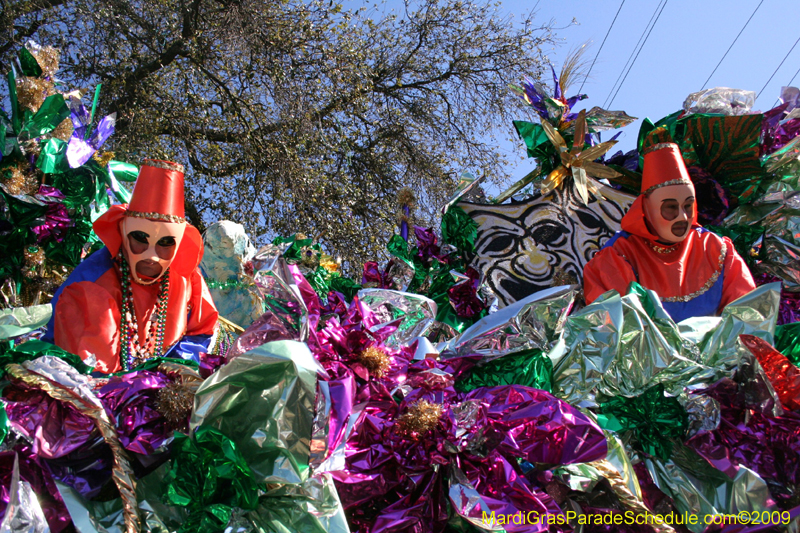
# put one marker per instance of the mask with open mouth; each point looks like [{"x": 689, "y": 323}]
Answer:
[
  {"x": 149, "y": 246},
  {"x": 670, "y": 212}
]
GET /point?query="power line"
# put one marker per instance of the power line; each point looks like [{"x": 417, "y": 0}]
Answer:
[
  {"x": 779, "y": 66},
  {"x": 639, "y": 52},
  {"x": 601, "y": 46},
  {"x": 632, "y": 54},
  {"x": 731, "y": 46}
]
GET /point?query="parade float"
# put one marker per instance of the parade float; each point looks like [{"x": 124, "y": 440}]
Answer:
[{"x": 462, "y": 385}]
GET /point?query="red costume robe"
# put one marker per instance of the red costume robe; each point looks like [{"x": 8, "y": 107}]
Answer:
[
  {"x": 87, "y": 307},
  {"x": 697, "y": 277}
]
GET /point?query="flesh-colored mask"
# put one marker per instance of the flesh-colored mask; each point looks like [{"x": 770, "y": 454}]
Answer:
[
  {"x": 670, "y": 212},
  {"x": 150, "y": 247}
]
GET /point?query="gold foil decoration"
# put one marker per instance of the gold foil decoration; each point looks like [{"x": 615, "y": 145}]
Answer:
[
  {"x": 103, "y": 158},
  {"x": 121, "y": 472},
  {"x": 626, "y": 497},
  {"x": 175, "y": 402},
  {"x": 64, "y": 130},
  {"x": 32, "y": 92},
  {"x": 375, "y": 360},
  {"x": 577, "y": 162},
  {"x": 421, "y": 417},
  {"x": 19, "y": 180},
  {"x": 47, "y": 57}
]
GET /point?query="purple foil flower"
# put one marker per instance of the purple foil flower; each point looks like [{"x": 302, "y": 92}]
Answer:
[
  {"x": 131, "y": 399},
  {"x": 33, "y": 470},
  {"x": 410, "y": 465},
  {"x": 82, "y": 147},
  {"x": 751, "y": 437}
]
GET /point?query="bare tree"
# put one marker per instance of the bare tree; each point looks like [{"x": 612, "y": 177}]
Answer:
[{"x": 296, "y": 115}]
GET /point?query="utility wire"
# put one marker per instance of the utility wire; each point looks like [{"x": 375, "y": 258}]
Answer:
[
  {"x": 731, "y": 46},
  {"x": 779, "y": 66},
  {"x": 639, "y": 52},
  {"x": 601, "y": 46},
  {"x": 630, "y": 57}
]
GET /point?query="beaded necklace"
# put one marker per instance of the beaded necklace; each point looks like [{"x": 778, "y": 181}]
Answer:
[{"x": 132, "y": 354}]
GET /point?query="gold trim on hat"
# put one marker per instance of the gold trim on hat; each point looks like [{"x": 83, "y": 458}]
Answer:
[
  {"x": 156, "y": 216},
  {"x": 679, "y": 181},
  {"x": 166, "y": 165}
]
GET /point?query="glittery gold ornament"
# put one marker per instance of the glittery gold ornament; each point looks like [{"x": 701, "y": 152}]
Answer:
[
  {"x": 375, "y": 360},
  {"x": 102, "y": 158},
  {"x": 175, "y": 402},
  {"x": 421, "y": 417},
  {"x": 64, "y": 130},
  {"x": 329, "y": 263},
  {"x": 31, "y": 92},
  {"x": 18, "y": 179},
  {"x": 47, "y": 57},
  {"x": 33, "y": 258}
]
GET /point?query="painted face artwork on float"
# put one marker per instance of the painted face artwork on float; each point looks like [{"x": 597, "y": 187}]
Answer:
[
  {"x": 150, "y": 246},
  {"x": 670, "y": 212},
  {"x": 530, "y": 246}
]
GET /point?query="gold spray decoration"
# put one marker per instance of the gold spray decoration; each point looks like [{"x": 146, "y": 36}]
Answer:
[
  {"x": 176, "y": 400},
  {"x": 47, "y": 57},
  {"x": 422, "y": 417},
  {"x": 576, "y": 161},
  {"x": 121, "y": 471},
  {"x": 375, "y": 360},
  {"x": 19, "y": 179}
]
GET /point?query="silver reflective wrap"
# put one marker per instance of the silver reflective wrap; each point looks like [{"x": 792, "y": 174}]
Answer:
[
  {"x": 703, "y": 412},
  {"x": 417, "y": 312},
  {"x": 614, "y": 346},
  {"x": 264, "y": 401},
  {"x": 698, "y": 488},
  {"x": 23, "y": 512},
  {"x": 22, "y": 320},
  {"x": 278, "y": 287},
  {"x": 720, "y": 100},
  {"x": 533, "y": 322}
]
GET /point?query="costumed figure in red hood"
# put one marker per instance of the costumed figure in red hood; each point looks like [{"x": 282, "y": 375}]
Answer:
[
  {"x": 142, "y": 296},
  {"x": 661, "y": 246}
]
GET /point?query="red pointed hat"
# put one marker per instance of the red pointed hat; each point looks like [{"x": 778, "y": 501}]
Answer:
[
  {"x": 158, "y": 195},
  {"x": 663, "y": 166}
]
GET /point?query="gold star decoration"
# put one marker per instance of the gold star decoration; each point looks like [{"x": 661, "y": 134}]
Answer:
[{"x": 577, "y": 161}]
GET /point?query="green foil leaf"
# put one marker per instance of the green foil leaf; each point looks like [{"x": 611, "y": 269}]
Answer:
[
  {"x": 124, "y": 171},
  {"x": 787, "y": 341},
  {"x": 51, "y": 113},
  {"x": 528, "y": 367},
  {"x": 459, "y": 229},
  {"x": 30, "y": 67},
  {"x": 654, "y": 419},
  {"x": 53, "y": 157},
  {"x": 36, "y": 348}
]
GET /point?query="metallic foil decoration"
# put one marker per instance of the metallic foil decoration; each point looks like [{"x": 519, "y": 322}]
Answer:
[
  {"x": 23, "y": 320},
  {"x": 264, "y": 401},
  {"x": 534, "y": 322},
  {"x": 782, "y": 259},
  {"x": 613, "y": 346},
  {"x": 23, "y": 512},
  {"x": 417, "y": 313},
  {"x": 755, "y": 313},
  {"x": 720, "y": 100},
  {"x": 310, "y": 507},
  {"x": 704, "y": 413},
  {"x": 279, "y": 289},
  {"x": 698, "y": 488},
  {"x": 62, "y": 382}
]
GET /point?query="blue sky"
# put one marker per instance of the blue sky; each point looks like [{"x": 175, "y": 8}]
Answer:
[{"x": 687, "y": 42}]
